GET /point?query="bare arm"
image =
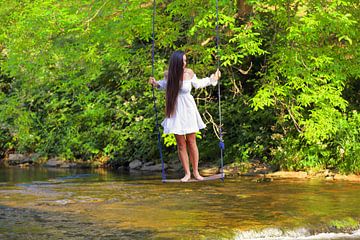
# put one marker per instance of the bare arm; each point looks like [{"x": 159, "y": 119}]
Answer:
[
  {"x": 204, "y": 82},
  {"x": 159, "y": 84}
]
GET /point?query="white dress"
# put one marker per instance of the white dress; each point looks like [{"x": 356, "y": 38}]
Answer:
[{"x": 186, "y": 118}]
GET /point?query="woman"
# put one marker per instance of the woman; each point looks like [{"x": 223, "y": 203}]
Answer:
[{"x": 182, "y": 116}]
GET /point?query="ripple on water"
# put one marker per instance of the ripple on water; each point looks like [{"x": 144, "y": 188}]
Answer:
[
  {"x": 151, "y": 209},
  {"x": 296, "y": 234},
  {"x": 20, "y": 223}
]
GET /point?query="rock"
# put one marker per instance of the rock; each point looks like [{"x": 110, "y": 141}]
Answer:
[
  {"x": 329, "y": 178},
  {"x": 73, "y": 165},
  {"x": 175, "y": 165},
  {"x": 263, "y": 180},
  {"x": 284, "y": 174},
  {"x": 24, "y": 165},
  {"x": 236, "y": 169},
  {"x": 135, "y": 164},
  {"x": 53, "y": 162},
  {"x": 351, "y": 177},
  {"x": 210, "y": 170},
  {"x": 258, "y": 167},
  {"x": 157, "y": 167},
  {"x": 62, "y": 202},
  {"x": 112, "y": 200},
  {"x": 68, "y": 165},
  {"x": 121, "y": 168},
  {"x": 148, "y": 164},
  {"x": 16, "y": 158}
]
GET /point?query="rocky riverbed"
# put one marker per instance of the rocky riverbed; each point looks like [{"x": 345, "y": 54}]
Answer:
[
  {"x": 65, "y": 203},
  {"x": 256, "y": 169}
]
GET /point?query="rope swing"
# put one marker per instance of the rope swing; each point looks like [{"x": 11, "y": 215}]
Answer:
[
  {"x": 221, "y": 143},
  {"x": 221, "y": 140},
  {"x": 163, "y": 175}
]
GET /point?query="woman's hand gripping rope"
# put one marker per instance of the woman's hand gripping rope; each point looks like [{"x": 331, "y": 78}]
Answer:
[
  {"x": 214, "y": 78},
  {"x": 153, "y": 82}
]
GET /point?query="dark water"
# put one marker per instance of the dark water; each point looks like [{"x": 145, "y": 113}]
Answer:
[{"x": 39, "y": 203}]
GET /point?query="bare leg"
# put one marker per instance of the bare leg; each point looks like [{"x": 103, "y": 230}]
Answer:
[
  {"x": 194, "y": 155},
  {"x": 183, "y": 156}
]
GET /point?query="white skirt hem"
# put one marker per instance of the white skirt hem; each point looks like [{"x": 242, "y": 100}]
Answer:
[{"x": 182, "y": 131}]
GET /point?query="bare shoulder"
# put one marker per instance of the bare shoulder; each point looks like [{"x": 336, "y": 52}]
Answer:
[
  {"x": 189, "y": 73},
  {"x": 166, "y": 74}
]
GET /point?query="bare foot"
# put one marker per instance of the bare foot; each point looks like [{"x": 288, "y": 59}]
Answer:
[
  {"x": 198, "y": 176},
  {"x": 185, "y": 178}
]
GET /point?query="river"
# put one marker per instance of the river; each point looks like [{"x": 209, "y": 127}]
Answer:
[{"x": 50, "y": 203}]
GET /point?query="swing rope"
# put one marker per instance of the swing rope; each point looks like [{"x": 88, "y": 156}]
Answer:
[
  {"x": 163, "y": 175},
  {"x": 221, "y": 142}
]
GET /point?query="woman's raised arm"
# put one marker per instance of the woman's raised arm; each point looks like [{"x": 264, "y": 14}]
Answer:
[{"x": 204, "y": 82}]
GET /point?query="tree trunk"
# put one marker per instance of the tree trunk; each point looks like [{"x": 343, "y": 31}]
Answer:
[{"x": 244, "y": 9}]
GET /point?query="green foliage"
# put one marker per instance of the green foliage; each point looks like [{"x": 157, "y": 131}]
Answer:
[
  {"x": 313, "y": 49},
  {"x": 347, "y": 143},
  {"x": 73, "y": 79}
]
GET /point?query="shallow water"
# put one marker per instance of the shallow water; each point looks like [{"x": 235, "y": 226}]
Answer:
[{"x": 39, "y": 203}]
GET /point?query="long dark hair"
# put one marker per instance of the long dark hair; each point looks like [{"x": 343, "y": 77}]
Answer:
[{"x": 174, "y": 81}]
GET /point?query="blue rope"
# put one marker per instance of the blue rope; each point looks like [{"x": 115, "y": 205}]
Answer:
[
  {"x": 163, "y": 175},
  {"x": 221, "y": 143}
]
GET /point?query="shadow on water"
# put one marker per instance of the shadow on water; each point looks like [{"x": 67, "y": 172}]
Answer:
[{"x": 22, "y": 223}]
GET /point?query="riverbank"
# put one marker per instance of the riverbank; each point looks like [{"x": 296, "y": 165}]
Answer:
[{"x": 261, "y": 172}]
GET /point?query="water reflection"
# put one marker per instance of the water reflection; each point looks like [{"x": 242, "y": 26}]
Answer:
[{"x": 143, "y": 204}]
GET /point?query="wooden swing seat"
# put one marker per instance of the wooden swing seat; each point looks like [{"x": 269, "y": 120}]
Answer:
[{"x": 209, "y": 178}]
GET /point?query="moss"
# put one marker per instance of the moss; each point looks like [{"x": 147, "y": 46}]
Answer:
[{"x": 344, "y": 224}]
